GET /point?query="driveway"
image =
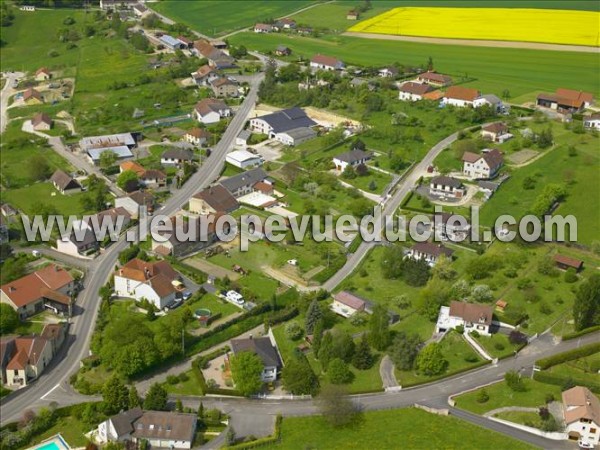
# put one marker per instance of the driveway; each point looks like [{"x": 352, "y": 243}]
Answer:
[
  {"x": 5, "y": 94},
  {"x": 386, "y": 371}
]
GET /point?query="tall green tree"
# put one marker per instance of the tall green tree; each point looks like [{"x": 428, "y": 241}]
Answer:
[
  {"x": 313, "y": 315},
  {"x": 379, "y": 332},
  {"x": 298, "y": 377},
  {"x": 156, "y": 398},
  {"x": 404, "y": 350},
  {"x": 134, "y": 399},
  {"x": 430, "y": 360},
  {"x": 326, "y": 350},
  {"x": 317, "y": 337},
  {"x": 115, "y": 395},
  {"x": 363, "y": 357},
  {"x": 586, "y": 307},
  {"x": 338, "y": 372},
  {"x": 9, "y": 319},
  {"x": 246, "y": 369},
  {"x": 336, "y": 407}
]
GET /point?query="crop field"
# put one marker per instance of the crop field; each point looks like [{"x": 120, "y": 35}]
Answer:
[
  {"x": 499, "y": 24},
  {"x": 217, "y": 17}
]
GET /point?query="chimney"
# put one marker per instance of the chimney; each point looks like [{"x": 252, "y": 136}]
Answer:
[
  {"x": 11, "y": 289},
  {"x": 121, "y": 272},
  {"x": 250, "y": 336}
]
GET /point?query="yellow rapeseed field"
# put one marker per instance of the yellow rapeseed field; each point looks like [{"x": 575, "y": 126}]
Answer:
[{"x": 501, "y": 24}]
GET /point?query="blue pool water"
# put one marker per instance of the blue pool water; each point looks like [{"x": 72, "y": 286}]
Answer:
[{"x": 49, "y": 446}]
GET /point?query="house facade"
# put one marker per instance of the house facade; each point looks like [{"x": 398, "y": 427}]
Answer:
[
  {"x": 592, "y": 121},
  {"x": 581, "y": 411},
  {"x": 135, "y": 201},
  {"x": 483, "y": 166},
  {"x": 63, "y": 183},
  {"x": 244, "y": 183},
  {"x": 446, "y": 187},
  {"x": 412, "y": 92},
  {"x": 224, "y": 87},
  {"x": 353, "y": 158},
  {"x": 210, "y": 110},
  {"x": 176, "y": 157},
  {"x": 197, "y": 136},
  {"x": 243, "y": 159},
  {"x": 347, "y": 304},
  {"x": 471, "y": 316},
  {"x": 495, "y": 132},
  {"x": 41, "y": 122},
  {"x": 434, "y": 79},
  {"x": 212, "y": 200},
  {"x": 566, "y": 101}
]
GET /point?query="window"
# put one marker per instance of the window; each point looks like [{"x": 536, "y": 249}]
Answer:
[{"x": 592, "y": 430}]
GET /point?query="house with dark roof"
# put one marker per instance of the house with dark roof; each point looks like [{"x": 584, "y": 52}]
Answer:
[
  {"x": 446, "y": 187},
  {"x": 471, "y": 316},
  {"x": 290, "y": 126},
  {"x": 176, "y": 157},
  {"x": 413, "y": 92},
  {"x": 32, "y": 97},
  {"x": 496, "y": 132},
  {"x": 41, "y": 122},
  {"x": 216, "y": 57},
  {"x": 282, "y": 50},
  {"x": 49, "y": 287},
  {"x": 581, "y": 411},
  {"x": 263, "y": 28},
  {"x": 352, "y": 158},
  {"x": 176, "y": 243},
  {"x": 266, "y": 349},
  {"x": 244, "y": 183},
  {"x": 429, "y": 251},
  {"x": 482, "y": 166},
  {"x": 224, "y": 87},
  {"x": 212, "y": 200},
  {"x": 64, "y": 183},
  {"x": 204, "y": 75},
  {"x": 80, "y": 242},
  {"x": 434, "y": 79},
  {"x": 152, "y": 281},
  {"x": 211, "y": 110},
  {"x": 161, "y": 429},
  {"x": 285, "y": 24},
  {"x": 323, "y": 62},
  {"x": 135, "y": 201}
]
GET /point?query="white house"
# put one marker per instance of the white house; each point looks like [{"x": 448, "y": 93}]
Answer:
[
  {"x": 496, "y": 132},
  {"x": 266, "y": 349},
  {"x": 429, "y": 252},
  {"x": 134, "y": 201},
  {"x": 592, "y": 121},
  {"x": 352, "y": 158},
  {"x": 296, "y": 136},
  {"x": 472, "y": 316},
  {"x": 581, "y": 409},
  {"x": 388, "y": 72},
  {"x": 197, "y": 136},
  {"x": 80, "y": 241},
  {"x": 210, "y": 110},
  {"x": 263, "y": 28},
  {"x": 283, "y": 121},
  {"x": 347, "y": 304},
  {"x": 446, "y": 187},
  {"x": 461, "y": 96},
  {"x": 241, "y": 139},
  {"x": 152, "y": 281},
  {"x": 176, "y": 157},
  {"x": 485, "y": 165},
  {"x": 162, "y": 429},
  {"x": 243, "y": 159},
  {"x": 412, "y": 92},
  {"x": 324, "y": 62}
]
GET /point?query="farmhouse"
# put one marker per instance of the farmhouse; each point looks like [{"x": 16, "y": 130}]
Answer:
[
  {"x": 212, "y": 200},
  {"x": 446, "y": 187},
  {"x": 161, "y": 429},
  {"x": 263, "y": 28},
  {"x": 581, "y": 410},
  {"x": 243, "y": 159},
  {"x": 289, "y": 126},
  {"x": 347, "y": 304},
  {"x": 282, "y": 50},
  {"x": 32, "y": 97},
  {"x": 216, "y": 57},
  {"x": 210, "y": 110},
  {"x": 245, "y": 183},
  {"x": 266, "y": 349},
  {"x": 566, "y": 100},
  {"x": 134, "y": 202},
  {"x": 472, "y": 316},
  {"x": 224, "y": 87},
  {"x": 119, "y": 144},
  {"x": 197, "y": 136},
  {"x": 172, "y": 43},
  {"x": 496, "y": 132},
  {"x": 326, "y": 63},
  {"x": 285, "y": 24},
  {"x": 204, "y": 75},
  {"x": 49, "y": 287},
  {"x": 353, "y": 158},
  {"x": 429, "y": 252},
  {"x": 411, "y": 91},
  {"x": 41, "y": 122},
  {"x": 152, "y": 281},
  {"x": 592, "y": 121},
  {"x": 176, "y": 157},
  {"x": 42, "y": 74},
  {"x": 434, "y": 79},
  {"x": 461, "y": 96},
  {"x": 566, "y": 262},
  {"x": 485, "y": 165},
  {"x": 64, "y": 183}
]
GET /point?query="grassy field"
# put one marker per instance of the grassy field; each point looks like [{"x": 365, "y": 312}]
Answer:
[
  {"x": 27, "y": 198},
  {"x": 497, "y": 345},
  {"x": 580, "y": 370},
  {"x": 529, "y": 418},
  {"x": 70, "y": 428},
  {"x": 493, "y": 69},
  {"x": 413, "y": 428},
  {"x": 217, "y": 17},
  {"x": 530, "y": 25}
]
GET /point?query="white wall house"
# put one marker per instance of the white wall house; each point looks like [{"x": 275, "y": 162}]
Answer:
[
  {"x": 485, "y": 165},
  {"x": 581, "y": 410},
  {"x": 460, "y": 96},
  {"x": 446, "y": 187},
  {"x": 592, "y": 121},
  {"x": 472, "y": 316},
  {"x": 353, "y": 158}
]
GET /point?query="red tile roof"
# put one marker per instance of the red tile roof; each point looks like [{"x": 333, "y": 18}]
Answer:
[
  {"x": 350, "y": 300},
  {"x": 568, "y": 261},
  {"x": 325, "y": 60},
  {"x": 472, "y": 312},
  {"x": 30, "y": 288},
  {"x": 462, "y": 93}
]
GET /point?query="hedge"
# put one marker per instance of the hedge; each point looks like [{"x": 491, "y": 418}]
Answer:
[
  {"x": 269, "y": 440},
  {"x": 580, "y": 352},
  {"x": 559, "y": 380},
  {"x": 449, "y": 374},
  {"x": 576, "y": 334}
]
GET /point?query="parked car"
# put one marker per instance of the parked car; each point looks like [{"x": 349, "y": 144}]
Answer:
[{"x": 186, "y": 295}]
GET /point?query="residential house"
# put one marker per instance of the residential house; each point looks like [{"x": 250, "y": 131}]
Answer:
[
  {"x": 263, "y": 28},
  {"x": 352, "y": 14},
  {"x": 485, "y": 165},
  {"x": 266, "y": 349},
  {"x": 176, "y": 157},
  {"x": 243, "y": 159},
  {"x": 224, "y": 87},
  {"x": 176, "y": 244},
  {"x": 42, "y": 74},
  {"x": 160, "y": 429},
  {"x": 204, "y": 75},
  {"x": 41, "y": 122},
  {"x": 242, "y": 138},
  {"x": 282, "y": 50},
  {"x": 566, "y": 100},
  {"x": 289, "y": 126},
  {"x": 304, "y": 30},
  {"x": 451, "y": 226},
  {"x": 133, "y": 167},
  {"x": 592, "y": 121},
  {"x": 153, "y": 178},
  {"x": 471, "y": 316},
  {"x": 216, "y": 57},
  {"x": 80, "y": 242},
  {"x": 64, "y": 183},
  {"x": 326, "y": 62},
  {"x": 244, "y": 183},
  {"x": 496, "y": 132},
  {"x": 30, "y": 356},
  {"x": 429, "y": 252},
  {"x": 27, "y": 8},
  {"x": 581, "y": 410},
  {"x": 347, "y": 304},
  {"x": 117, "y": 4},
  {"x": 219, "y": 44},
  {"x": 353, "y": 158},
  {"x": 491, "y": 100},
  {"x": 171, "y": 43},
  {"x": 210, "y": 110},
  {"x": 285, "y": 24},
  {"x": 389, "y": 72},
  {"x": 135, "y": 202},
  {"x": 566, "y": 262},
  {"x": 114, "y": 215},
  {"x": 461, "y": 96},
  {"x": 434, "y": 79},
  {"x": 212, "y": 200},
  {"x": 32, "y": 97},
  {"x": 411, "y": 91},
  {"x": 140, "y": 10},
  {"x": 152, "y": 281},
  {"x": 446, "y": 187},
  {"x": 197, "y": 136},
  {"x": 55, "y": 334},
  {"x": 51, "y": 287}
]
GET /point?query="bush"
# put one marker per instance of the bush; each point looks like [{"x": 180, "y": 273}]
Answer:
[
  {"x": 172, "y": 379},
  {"x": 499, "y": 346},
  {"x": 580, "y": 352},
  {"x": 460, "y": 329},
  {"x": 549, "y": 398},
  {"x": 482, "y": 396},
  {"x": 583, "y": 332},
  {"x": 571, "y": 275},
  {"x": 293, "y": 331}
]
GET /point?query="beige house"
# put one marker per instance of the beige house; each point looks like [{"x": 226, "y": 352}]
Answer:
[
  {"x": 212, "y": 200},
  {"x": 41, "y": 122},
  {"x": 30, "y": 356},
  {"x": 42, "y": 74},
  {"x": 581, "y": 410},
  {"x": 224, "y": 87}
]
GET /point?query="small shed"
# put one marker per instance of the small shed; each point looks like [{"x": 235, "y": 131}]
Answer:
[{"x": 566, "y": 262}]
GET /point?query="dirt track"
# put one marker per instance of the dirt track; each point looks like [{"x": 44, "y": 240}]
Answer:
[{"x": 477, "y": 43}]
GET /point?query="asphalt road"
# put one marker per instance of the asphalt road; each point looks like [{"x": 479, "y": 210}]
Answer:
[
  {"x": 53, "y": 385},
  {"x": 6, "y": 92}
]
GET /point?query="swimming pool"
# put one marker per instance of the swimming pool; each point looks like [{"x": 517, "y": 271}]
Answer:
[{"x": 54, "y": 443}]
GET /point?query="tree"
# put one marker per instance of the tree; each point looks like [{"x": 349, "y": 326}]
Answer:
[
  {"x": 545, "y": 138},
  {"x": 363, "y": 358},
  {"x": 298, "y": 377},
  {"x": 415, "y": 272},
  {"x": 128, "y": 180},
  {"x": 338, "y": 372},
  {"x": 482, "y": 396},
  {"x": 134, "y": 399},
  {"x": 39, "y": 169},
  {"x": 349, "y": 173},
  {"x": 317, "y": 337},
  {"x": 514, "y": 381},
  {"x": 156, "y": 398},
  {"x": 482, "y": 293},
  {"x": 246, "y": 368},
  {"x": 336, "y": 407},
  {"x": 293, "y": 331},
  {"x": 313, "y": 315},
  {"x": 9, "y": 319},
  {"x": 201, "y": 411},
  {"x": 362, "y": 170},
  {"x": 379, "y": 333},
  {"x": 404, "y": 350},
  {"x": 326, "y": 350},
  {"x": 178, "y": 405},
  {"x": 230, "y": 436},
  {"x": 108, "y": 158},
  {"x": 372, "y": 185},
  {"x": 586, "y": 307},
  {"x": 430, "y": 360},
  {"x": 115, "y": 395}
]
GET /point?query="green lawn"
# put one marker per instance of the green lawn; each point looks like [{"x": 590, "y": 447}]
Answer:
[
  {"x": 381, "y": 180},
  {"x": 501, "y": 395},
  {"x": 494, "y": 69},
  {"x": 215, "y": 305},
  {"x": 529, "y": 418},
  {"x": 217, "y": 17},
  {"x": 70, "y": 428},
  {"x": 26, "y": 199},
  {"x": 405, "y": 428},
  {"x": 497, "y": 345},
  {"x": 188, "y": 387},
  {"x": 581, "y": 370}
]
